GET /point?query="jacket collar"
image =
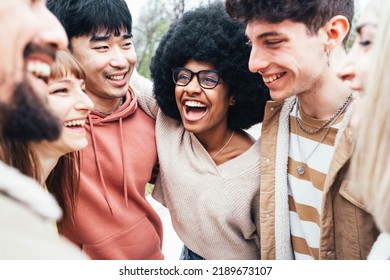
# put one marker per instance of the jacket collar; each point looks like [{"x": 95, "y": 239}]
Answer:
[{"x": 28, "y": 192}]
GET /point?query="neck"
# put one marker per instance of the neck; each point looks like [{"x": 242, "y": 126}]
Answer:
[
  {"x": 214, "y": 141},
  {"x": 329, "y": 94},
  {"x": 322, "y": 104},
  {"x": 47, "y": 159},
  {"x": 106, "y": 106}
]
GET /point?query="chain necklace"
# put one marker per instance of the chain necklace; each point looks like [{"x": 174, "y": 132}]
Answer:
[
  {"x": 109, "y": 113},
  {"x": 331, "y": 119},
  {"x": 301, "y": 168},
  {"x": 224, "y": 146}
]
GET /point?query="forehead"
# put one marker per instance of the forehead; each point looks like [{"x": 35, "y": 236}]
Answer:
[
  {"x": 109, "y": 31},
  {"x": 198, "y": 65},
  {"x": 369, "y": 15},
  {"x": 259, "y": 29},
  {"x": 101, "y": 36}
]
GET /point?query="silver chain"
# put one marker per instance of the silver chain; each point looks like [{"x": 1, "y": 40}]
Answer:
[
  {"x": 109, "y": 113},
  {"x": 301, "y": 169},
  {"x": 336, "y": 114},
  {"x": 224, "y": 146}
]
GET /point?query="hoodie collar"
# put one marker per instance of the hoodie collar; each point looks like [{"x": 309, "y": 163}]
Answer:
[{"x": 128, "y": 108}]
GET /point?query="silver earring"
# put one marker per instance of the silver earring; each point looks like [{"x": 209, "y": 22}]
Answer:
[{"x": 328, "y": 57}]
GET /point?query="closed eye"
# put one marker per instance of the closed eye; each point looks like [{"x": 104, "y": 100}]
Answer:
[
  {"x": 365, "y": 43},
  {"x": 273, "y": 42},
  {"x": 59, "y": 91},
  {"x": 101, "y": 48}
]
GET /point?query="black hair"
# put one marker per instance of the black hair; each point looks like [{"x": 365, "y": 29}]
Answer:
[
  {"x": 88, "y": 17},
  {"x": 207, "y": 34},
  {"x": 313, "y": 13}
]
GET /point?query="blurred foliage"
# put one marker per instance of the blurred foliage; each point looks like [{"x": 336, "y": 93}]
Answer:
[
  {"x": 352, "y": 35},
  {"x": 153, "y": 22},
  {"x": 149, "y": 189}
]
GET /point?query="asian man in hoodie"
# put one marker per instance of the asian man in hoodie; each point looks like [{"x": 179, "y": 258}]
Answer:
[{"x": 113, "y": 219}]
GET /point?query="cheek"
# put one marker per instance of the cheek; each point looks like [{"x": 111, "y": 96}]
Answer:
[
  {"x": 132, "y": 57},
  {"x": 363, "y": 67},
  {"x": 59, "y": 107},
  {"x": 178, "y": 95}
]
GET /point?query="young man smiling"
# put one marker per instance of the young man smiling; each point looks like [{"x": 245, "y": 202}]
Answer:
[
  {"x": 113, "y": 219},
  {"x": 307, "y": 210}
]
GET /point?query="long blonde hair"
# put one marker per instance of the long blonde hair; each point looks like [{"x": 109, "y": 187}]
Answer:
[{"x": 371, "y": 165}]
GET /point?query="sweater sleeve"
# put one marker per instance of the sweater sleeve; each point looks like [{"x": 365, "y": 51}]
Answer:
[{"x": 143, "y": 88}]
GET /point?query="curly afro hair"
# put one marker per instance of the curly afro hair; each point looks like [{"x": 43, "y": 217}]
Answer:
[{"x": 208, "y": 34}]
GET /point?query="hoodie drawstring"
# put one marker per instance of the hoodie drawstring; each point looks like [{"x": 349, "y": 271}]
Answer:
[
  {"x": 123, "y": 162},
  {"x": 98, "y": 165}
]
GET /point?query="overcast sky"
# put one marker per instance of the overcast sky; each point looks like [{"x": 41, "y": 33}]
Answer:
[{"x": 135, "y": 6}]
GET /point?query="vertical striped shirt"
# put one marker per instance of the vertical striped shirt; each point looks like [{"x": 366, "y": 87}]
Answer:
[{"x": 306, "y": 190}]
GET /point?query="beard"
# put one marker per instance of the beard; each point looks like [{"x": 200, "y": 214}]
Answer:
[{"x": 27, "y": 117}]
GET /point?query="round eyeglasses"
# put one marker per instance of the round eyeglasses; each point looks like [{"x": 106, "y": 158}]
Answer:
[{"x": 207, "y": 79}]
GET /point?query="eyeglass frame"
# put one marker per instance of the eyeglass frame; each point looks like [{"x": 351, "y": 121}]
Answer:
[{"x": 197, "y": 76}]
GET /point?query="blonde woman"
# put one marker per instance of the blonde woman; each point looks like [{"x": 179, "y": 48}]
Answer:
[{"x": 367, "y": 68}]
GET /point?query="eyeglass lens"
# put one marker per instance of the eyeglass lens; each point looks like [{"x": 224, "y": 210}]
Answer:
[{"x": 207, "y": 78}]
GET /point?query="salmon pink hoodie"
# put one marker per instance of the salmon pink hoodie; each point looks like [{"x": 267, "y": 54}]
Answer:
[{"x": 113, "y": 219}]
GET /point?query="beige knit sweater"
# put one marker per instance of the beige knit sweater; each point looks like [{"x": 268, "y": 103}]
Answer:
[{"x": 214, "y": 209}]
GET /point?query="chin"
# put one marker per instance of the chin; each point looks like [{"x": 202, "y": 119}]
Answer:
[{"x": 74, "y": 146}]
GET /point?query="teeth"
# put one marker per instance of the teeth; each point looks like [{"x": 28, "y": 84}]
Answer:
[
  {"x": 273, "y": 78},
  {"x": 194, "y": 104},
  {"x": 39, "y": 69},
  {"x": 116, "y": 78},
  {"x": 75, "y": 123}
]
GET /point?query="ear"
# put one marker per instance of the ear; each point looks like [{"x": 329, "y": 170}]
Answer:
[
  {"x": 336, "y": 29},
  {"x": 232, "y": 100}
]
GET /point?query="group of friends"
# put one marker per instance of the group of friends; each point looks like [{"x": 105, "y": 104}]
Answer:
[{"x": 82, "y": 132}]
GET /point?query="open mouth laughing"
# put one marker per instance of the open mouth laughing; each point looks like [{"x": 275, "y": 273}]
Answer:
[
  {"x": 272, "y": 78},
  {"x": 75, "y": 123},
  {"x": 39, "y": 69},
  {"x": 194, "y": 110},
  {"x": 118, "y": 79}
]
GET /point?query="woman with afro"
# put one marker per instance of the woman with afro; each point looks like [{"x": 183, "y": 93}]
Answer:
[{"x": 209, "y": 166}]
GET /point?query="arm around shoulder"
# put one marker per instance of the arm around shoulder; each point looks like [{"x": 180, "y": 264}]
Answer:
[{"x": 143, "y": 89}]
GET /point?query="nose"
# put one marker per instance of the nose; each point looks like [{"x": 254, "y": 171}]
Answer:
[
  {"x": 83, "y": 102},
  {"x": 346, "y": 72},
  {"x": 258, "y": 60},
  {"x": 51, "y": 31},
  {"x": 193, "y": 86},
  {"x": 118, "y": 58}
]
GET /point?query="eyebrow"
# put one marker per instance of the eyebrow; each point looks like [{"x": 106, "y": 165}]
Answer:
[
  {"x": 63, "y": 81},
  {"x": 360, "y": 27},
  {"x": 97, "y": 38},
  {"x": 268, "y": 34}
]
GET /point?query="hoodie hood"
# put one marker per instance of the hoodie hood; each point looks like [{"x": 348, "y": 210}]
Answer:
[{"x": 128, "y": 108}]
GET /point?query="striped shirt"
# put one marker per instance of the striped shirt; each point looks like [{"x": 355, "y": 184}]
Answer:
[{"x": 306, "y": 190}]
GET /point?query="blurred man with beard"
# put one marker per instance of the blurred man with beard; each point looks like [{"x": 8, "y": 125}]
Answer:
[{"x": 31, "y": 35}]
